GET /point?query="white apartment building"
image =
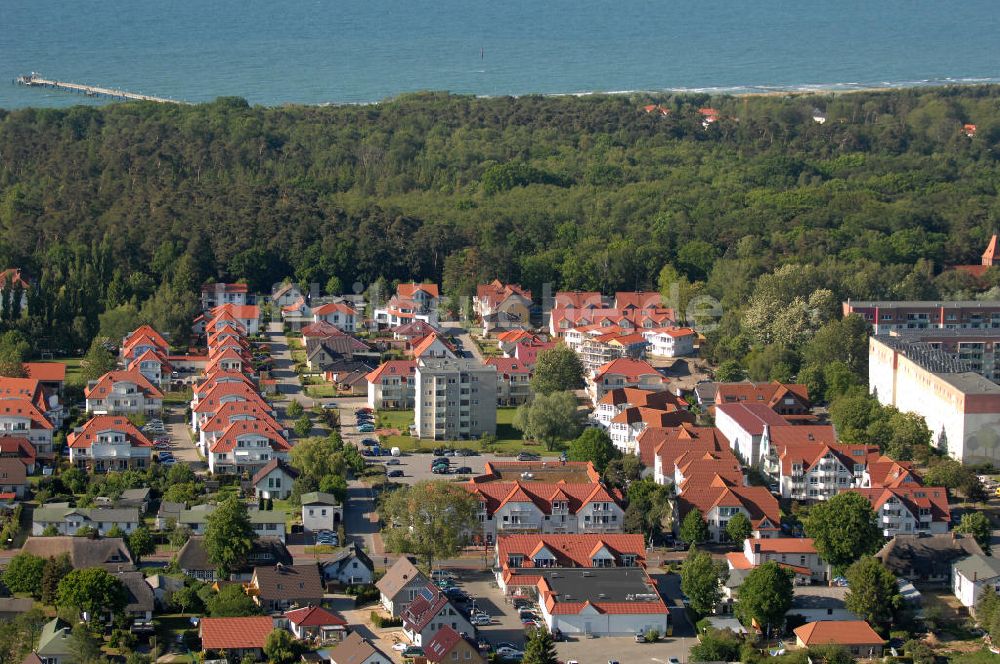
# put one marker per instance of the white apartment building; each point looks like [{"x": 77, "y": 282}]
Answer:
[
  {"x": 670, "y": 341},
  {"x": 392, "y": 386},
  {"x": 456, "y": 399}
]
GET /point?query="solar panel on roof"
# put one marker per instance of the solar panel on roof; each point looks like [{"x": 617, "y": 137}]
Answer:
[{"x": 427, "y": 594}]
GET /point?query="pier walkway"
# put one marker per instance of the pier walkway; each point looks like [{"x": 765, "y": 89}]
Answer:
[{"x": 36, "y": 80}]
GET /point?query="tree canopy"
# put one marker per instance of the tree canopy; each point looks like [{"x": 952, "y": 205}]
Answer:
[
  {"x": 432, "y": 520},
  {"x": 557, "y": 369},
  {"x": 873, "y": 593},
  {"x": 593, "y": 445},
  {"x": 701, "y": 580},
  {"x": 549, "y": 418},
  {"x": 229, "y": 536},
  {"x": 765, "y": 596},
  {"x": 844, "y": 528}
]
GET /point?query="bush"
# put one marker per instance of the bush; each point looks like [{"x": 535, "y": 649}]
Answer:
[
  {"x": 380, "y": 621},
  {"x": 652, "y": 636},
  {"x": 362, "y": 593}
]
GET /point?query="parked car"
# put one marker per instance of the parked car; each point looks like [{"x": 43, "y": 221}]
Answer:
[
  {"x": 395, "y": 473},
  {"x": 463, "y": 470},
  {"x": 392, "y": 462},
  {"x": 480, "y": 619},
  {"x": 366, "y": 428},
  {"x": 510, "y": 653},
  {"x": 330, "y": 406},
  {"x": 413, "y": 651},
  {"x": 438, "y": 452},
  {"x": 527, "y": 456},
  {"x": 441, "y": 574},
  {"x": 640, "y": 637}
]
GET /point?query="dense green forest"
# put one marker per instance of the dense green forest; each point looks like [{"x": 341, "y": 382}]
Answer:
[{"x": 124, "y": 210}]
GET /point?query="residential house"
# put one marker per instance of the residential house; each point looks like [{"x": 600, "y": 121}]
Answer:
[
  {"x": 20, "y": 448},
  {"x": 266, "y": 523},
  {"x": 108, "y": 553},
  {"x": 720, "y": 500},
  {"x": 525, "y": 506},
  {"x": 109, "y": 443},
  {"x": 663, "y": 448},
  {"x": 168, "y": 515},
  {"x": 790, "y": 400},
  {"x": 245, "y": 316},
  {"x": 413, "y": 332},
  {"x": 355, "y": 649},
  {"x": 927, "y": 559},
  {"x": 430, "y": 611},
  {"x": 447, "y": 645},
  {"x": 23, "y": 419},
  {"x": 598, "y": 345},
  {"x": 141, "y": 339},
  {"x": 193, "y": 560},
  {"x": 163, "y": 588},
  {"x": 68, "y": 520},
  {"x": 393, "y": 385},
  {"x": 501, "y": 306},
  {"x": 626, "y": 427},
  {"x": 349, "y": 566},
  {"x": 527, "y": 352},
  {"x": 513, "y": 380},
  {"x": 624, "y": 372},
  {"x": 323, "y": 351},
  {"x": 411, "y": 302},
  {"x": 321, "y": 511},
  {"x": 970, "y": 576},
  {"x": 430, "y": 347},
  {"x": 140, "y": 601},
  {"x": 154, "y": 366},
  {"x": 909, "y": 509},
  {"x": 55, "y": 644},
  {"x": 796, "y": 554},
  {"x": 808, "y": 464},
  {"x": 522, "y": 559},
  {"x": 279, "y": 587},
  {"x": 744, "y": 425},
  {"x": 670, "y": 341},
  {"x": 285, "y": 294},
  {"x": 610, "y": 601},
  {"x": 314, "y": 623},
  {"x": 226, "y": 403},
  {"x": 46, "y": 400},
  {"x": 881, "y": 471},
  {"x": 123, "y": 393},
  {"x": 400, "y": 586},
  {"x": 13, "y": 478},
  {"x": 246, "y": 446},
  {"x": 52, "y": 375},
  {"x": 235, "y": 638},
  {"x": 274, "y": 480},
  {"x": 213, "y": 295},
  {"x": 856, "y": 636},
  {"x": 339, "y": 314},
  {"x": 137, "y": 498},
  {"x": 506, "y": 341},
  {"x": 455, "y": 399}
]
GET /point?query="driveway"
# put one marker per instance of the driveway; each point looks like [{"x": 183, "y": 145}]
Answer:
[
  {"x": 468, "y": 345},
  {"x": 284, "y": 369},
  {"x": 181, "y": 445}
]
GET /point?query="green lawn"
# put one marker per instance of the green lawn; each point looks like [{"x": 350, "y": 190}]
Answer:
[
  {"x": 509, "y": 439},
  {"x": 321, "y": 391},
  {"x": 183, "y": 397},
  {"x": 73, "y": 369},
  {"x": 394, "y": 419}
]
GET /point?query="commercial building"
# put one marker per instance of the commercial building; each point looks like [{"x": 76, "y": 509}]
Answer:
[
  {"x": 456, "y": 399},
  {"x": 961, "y": 408},
  {"x": 889, "y": 316}
]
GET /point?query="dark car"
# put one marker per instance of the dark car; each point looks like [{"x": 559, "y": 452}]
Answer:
[
  {"x": 527, "y": 456},
  {"x": 439, "y": 452},
  {"x": 463, "y": 470},
  {"x": 395, "y": 473},
  {"x": 368, "y": 442}
]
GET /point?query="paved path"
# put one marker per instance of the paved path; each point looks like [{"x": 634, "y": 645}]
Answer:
[
  {"x": 284, "y": 368},
  {"x": 181, "y": 445},
  {"x": 468, "y": 345}
]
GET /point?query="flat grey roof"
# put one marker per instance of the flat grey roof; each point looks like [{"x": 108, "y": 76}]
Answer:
[
  {"x": 970, "y": 383},
  {"x": 926, "y": 304},
  {"x": 600, "y": 584}
]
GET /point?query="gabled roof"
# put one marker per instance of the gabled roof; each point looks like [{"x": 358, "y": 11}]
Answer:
[
  {"x": 322, "y": 330},
  {"x": 667, "y": 416},
  {"x": 443, "y": 642},
  {"x": 926, "y": 555},
  {"x": 232, "y": 633},
  {"x": 149, "y": 355},
  {"x": 885, "y": 472},
  {"x": 638, "y": 300},
  {"x": 839, "y": 632},
  {"x": 404, "y": 368},
  {"x": 670, "y": 443},
  {"x": 752, "y": 417},
  {"x": 108, "y": 552},
  {"x": 227, "y": 441},
  {"x": 509, "y": 366},
  {"x": 402, "y": 573},
  {"x": 47, "y": 372},
  {"x": 426, "y": 343},
  {"x": 633, "y": 396},
  {"x": 54, "y": 641},
  {"x": 913, "y": 498},
  {"x": 578, "y": 300},
  {"x": 13, "y": 471},
  {"x": 220, "y": 287},
  {"x": 421, "y": 611},
  {"x": 409, "y": 290},
  {"x": 768, "y": 393},
  {"x": 783, "y": 545},
  {"x": 570, "y": 550},
  {"x": 990, "y": 255},
  {"x": 237, "y": 311},
  {"x": 414, "y": 329},
  {"x": 19, "y": 446},
  {"x": 24, "y": 388},
  {"x": 314, "y": 616},
  {"x": 272, "y": 465},
  {"x": 631, "y": 369},
  {"x": 496, "y": 292},
  {"x": 107, "y": 381},
  {"x": 355, "y": 649},
  {"x": 289, "y": 582},
  {"x": 193, "y": 556},
  {"x": 513, "y": 336},
  {"x": 24, "y": 408},
  {"x": 498, "y": 494},
  {"x": 85, "y": 437},
  {"x": 211, "y": 401},
  {"x": 334, "y": 307},
  {"x": 978, "y": 567},
  {"x": 220, "y": 378},
  {"x": 756, "y": 500},
  {"x": 234, "y": 410},
  {"x": 145, "y": 331}
]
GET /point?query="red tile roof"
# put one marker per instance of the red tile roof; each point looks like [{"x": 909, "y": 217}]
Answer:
[
  {"x": 250, "y": 409},
  {"x": 632, "y": 370},
  {"x": 224, "y": 288},
  {"x": 425, "y": 344},
  {"x": 508, "y": 366},
  {"x": 756, "y": 500},
  {"x": 334, "y": 307},
  {"x": 21, "y": 447},
  {"x": 783, "y": 545},
  {"x": 752, "y": 417},
  {"x": 314, "y": 616},
  {"x": 578, "y": 300},
  {"x": 238, "y": 311},
  {"x": 445, "y": 639},
  {"x": 421, "y": 611},
  {"x": 85, "y": 437},
  {"x": 496, "y": 292},
  {"x": 212, "y": 400},
  {"x": 409, "y": 290},
  {"x": 669, "y": 416},
  {"x": 227, "y": 441},
  {"x": 105, "y": 383},
  {"x": 633, "y": 396},
  {"x": 232, "y": 633},
  {"x": 840, "y": 632},
  {"x": 24, "y": 388},
  {"x": 913, "y": 497},
  {"x": 541, "y": 494},
  {"x": 145, "y": 331},
  {"x": 885, "y": 472},
  {"x": 47, "y": 372},
  {"x": 512, "y": 336},
  {"x": 770, "y": 393},
  {"x": 575, "y": 550},
  {"x": 403, "y": 368},
  {"x": 24, "y": 408},
  {"x": 670, "y": 443}
]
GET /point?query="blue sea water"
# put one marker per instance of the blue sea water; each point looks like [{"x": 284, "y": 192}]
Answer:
[{"x": 347, "y": 51}]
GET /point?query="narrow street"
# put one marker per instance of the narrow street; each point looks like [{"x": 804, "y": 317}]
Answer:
[{"x": 284, "y": 368}]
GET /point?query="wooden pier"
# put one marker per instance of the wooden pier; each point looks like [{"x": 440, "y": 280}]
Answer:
[{"x": 34, "y": 80}]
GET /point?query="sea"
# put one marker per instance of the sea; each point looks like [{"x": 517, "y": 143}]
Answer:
[{"x": 275, "y": 52}]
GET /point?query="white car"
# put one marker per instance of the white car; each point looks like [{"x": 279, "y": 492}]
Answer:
[
  {"x": 510, "y": 653},
  {"x": 399, "y": 646}
]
